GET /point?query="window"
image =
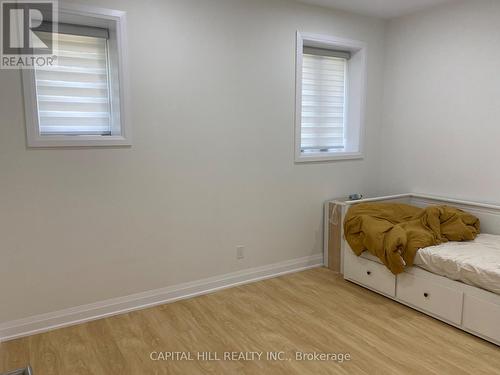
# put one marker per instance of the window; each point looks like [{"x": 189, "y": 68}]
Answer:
[
  {"x": 81, "y": 100},
  {"x": 329, "y": 98},
  {"x": 323, "y": 101},
  {"x": 73, "y": 96}
]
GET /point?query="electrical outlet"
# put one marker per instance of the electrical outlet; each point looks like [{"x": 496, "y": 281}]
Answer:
[{"x": 240, "y": 252}]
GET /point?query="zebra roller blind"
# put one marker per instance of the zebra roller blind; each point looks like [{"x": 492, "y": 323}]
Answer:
[
  {"x": 323, "y": 101},
  {"x": 73, "y": 97}
]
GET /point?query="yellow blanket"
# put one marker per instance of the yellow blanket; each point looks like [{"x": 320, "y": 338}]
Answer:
[{"x": 394, "y": 232}]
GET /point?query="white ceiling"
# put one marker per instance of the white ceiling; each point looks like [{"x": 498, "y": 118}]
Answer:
[{"x": 378, "y": 8}]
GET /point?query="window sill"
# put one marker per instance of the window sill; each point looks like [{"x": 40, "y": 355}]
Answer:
[
  {"x": 79, "y": 141},
  {"x": 328, "y": 157}
]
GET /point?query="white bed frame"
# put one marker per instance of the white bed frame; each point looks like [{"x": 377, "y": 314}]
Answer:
[{"x": 469, "y": 308}]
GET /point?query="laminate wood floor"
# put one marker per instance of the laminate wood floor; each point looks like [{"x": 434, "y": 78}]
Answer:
[{"x": 310, "y": 311}]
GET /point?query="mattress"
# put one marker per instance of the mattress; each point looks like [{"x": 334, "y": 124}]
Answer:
[{"x": 476, "y": 263}]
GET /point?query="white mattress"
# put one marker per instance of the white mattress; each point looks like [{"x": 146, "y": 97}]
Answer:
[{"x": 475, "y": 262}]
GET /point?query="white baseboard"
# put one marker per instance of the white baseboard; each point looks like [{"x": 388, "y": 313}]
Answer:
[{"x": 80, "y": 314}]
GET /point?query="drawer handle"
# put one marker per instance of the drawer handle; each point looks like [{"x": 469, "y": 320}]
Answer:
[
  {"x": 368, "y": 273},
  {"x": 426, "y": 295}
]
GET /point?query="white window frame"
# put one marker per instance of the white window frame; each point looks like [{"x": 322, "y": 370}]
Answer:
[
  {"x": 355, "y": 96},
  {"x": 116, "y": 22}
]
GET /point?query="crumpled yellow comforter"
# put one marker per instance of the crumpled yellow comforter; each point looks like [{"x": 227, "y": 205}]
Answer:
[{"x": 394, "y": 232}]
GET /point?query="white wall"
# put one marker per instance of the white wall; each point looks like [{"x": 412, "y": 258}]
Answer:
[
  {"x": 211, "y": 166},
  {"x": 441, "y": 130}
]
